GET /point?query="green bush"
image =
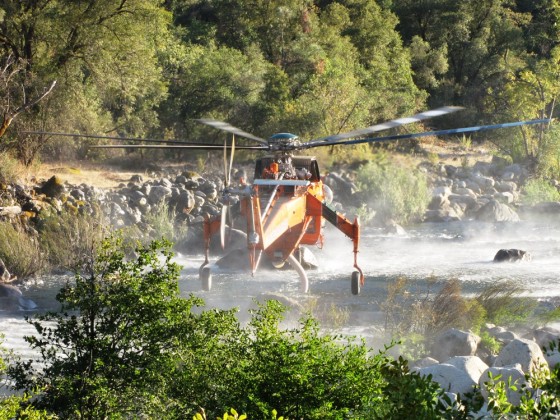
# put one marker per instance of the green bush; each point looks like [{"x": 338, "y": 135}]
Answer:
[
  {"x": 163, "y": 223},
  {"x": 10, "y": 169},
  {"x": 16, "y": 406},
  {"x": 393, "y": 192},
  {"x": 20, "y": 251},
  {"x": 110, "y": 350},
  {"x": 69, "y": 238},
  {"x": 504, "y": 304},
  {"x": 539, "y": 190},
  {"x": 126, "y": 345}
]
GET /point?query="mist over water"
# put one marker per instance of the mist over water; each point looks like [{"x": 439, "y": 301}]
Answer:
[{"x": 428, "y": 253}]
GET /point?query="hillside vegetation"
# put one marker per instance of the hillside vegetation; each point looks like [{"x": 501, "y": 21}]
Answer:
[{"x": 148, "y": 68}]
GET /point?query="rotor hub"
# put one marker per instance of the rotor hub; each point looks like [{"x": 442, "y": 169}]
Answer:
[{"x": 283, "y": 142}]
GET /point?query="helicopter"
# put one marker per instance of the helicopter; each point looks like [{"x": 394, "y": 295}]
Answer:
[{"x": 286, "y": 203}]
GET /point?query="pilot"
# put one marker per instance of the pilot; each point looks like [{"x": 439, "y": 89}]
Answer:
[{"x": 272, "y": 170}]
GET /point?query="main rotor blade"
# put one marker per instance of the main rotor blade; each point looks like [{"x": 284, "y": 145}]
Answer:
[
  {"x": 428, "y": 133},
  {"x": 175, "y": 146},
  {"x": 220, "y": 125},
  {"x": 94, "y": 136},
  {"x": 389, "y": 124}
]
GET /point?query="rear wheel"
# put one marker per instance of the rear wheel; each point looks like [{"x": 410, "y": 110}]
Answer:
[
  {"x": 355, "y": 283},
  {"x": 206, "y": 279}
]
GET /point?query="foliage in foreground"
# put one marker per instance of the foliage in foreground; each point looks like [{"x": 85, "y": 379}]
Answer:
[{"x": 126, "y": 344}]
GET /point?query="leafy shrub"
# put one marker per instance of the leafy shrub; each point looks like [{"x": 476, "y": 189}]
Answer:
[
  {"x": 16, "y": 406},
  {"x": 10, "y": 169},
  {"x": 125, "y": 345},
  {"x": 393, "y": 192},
  {"x": 539, "y": 190},
  {"x": 162, "y": 222},
  {"x": 69, "y": 239},
  {"x": 504, "y": 304},
  {"x": 429, "y": 313},
  {"x": 20, "y": 251},
  {"x": 108, "y": 353},
  {"x": 489, "y": 343}
]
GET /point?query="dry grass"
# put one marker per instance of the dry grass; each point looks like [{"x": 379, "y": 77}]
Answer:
[{"x": 101, "y": 176}]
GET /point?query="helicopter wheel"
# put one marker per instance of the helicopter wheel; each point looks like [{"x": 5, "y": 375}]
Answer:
[
  {"x": 206, "y": 279},
  {"x": 355, "y": 283}
]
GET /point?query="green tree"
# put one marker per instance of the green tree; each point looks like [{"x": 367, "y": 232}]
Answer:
[
  {"x": 111, "y": 348},
  {"x": 16, "y": 406},
  {"x": 104, "y": 54},
  {"x": 482, "y": 40},
  {"x": 532, "y": 93}
]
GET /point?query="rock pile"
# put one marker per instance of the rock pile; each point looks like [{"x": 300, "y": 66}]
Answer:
[
  {"x": 190, "y": 196},
  {"x": 485, "y": 192},
  {"x": 460, "y": 365}
]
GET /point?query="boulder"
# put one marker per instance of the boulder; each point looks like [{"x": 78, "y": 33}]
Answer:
[
  {"x": 455, "y": 342},
  {"x": 12, "y": 298},
  {"x": 552, "y": 358},
  {"x": 511, "y": 255},
  {"x": 306, "y": 258},
  {"x": 53, "y": 188},
  {"x": 473, "y": 366},
  {"x": 236, "y": 259},
  {"x": 449, "y": 377},
  {"x": 502, "y": 335},
  {"x": 422, "y": 363},
  {"x": 158, "y": 193},
  {"x": 10, "y": 211},
  {"x": 511, "y": 375},
  {"x": 524, "y": 352},
  {"x": 494, "y": 211},
  {"x": 546, "y": 335}
]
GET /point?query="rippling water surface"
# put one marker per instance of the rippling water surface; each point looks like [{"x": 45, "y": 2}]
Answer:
[{"x": 460, "y": 250}]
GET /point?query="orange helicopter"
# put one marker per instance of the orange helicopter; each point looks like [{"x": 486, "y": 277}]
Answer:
[{"x": 285, "y": 205}]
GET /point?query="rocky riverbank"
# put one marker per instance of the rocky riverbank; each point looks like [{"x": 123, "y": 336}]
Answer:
[
  {"x": 463, "y": 367},
  {"x": 485, "y": 191}
]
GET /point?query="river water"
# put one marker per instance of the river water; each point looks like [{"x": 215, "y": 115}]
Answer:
[{"x": 428, "y": 253}]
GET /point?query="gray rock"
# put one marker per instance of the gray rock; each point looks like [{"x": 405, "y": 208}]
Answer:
[
  {"x": 473, "y": 366},
  {"x": 185, "y": 202},
  {"x": 450, "y": 378},
  {"x": 495, "y": 211},
  {"x": 526, "y": 353},
  {"x": 158, "y": 194},
  {"x": 552, "y": 358},
  {"x": 455, "y": 342},
  {"x": 512, "y": 255},
  {"x": 422, "y": 363},
  {"x": 12, "y": 298},
  {"x": 137, "y": 179},
  {"x": 546, "y": 335},
  {"x": 510, "y": 375},
  {"x": 502, "y": 335},
  {"x": 5, "y": 275}
]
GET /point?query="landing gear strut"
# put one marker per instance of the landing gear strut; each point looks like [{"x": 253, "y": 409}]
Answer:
[
  {"x": 355, "y": 283},
  {"x": 205, "y": 278}
]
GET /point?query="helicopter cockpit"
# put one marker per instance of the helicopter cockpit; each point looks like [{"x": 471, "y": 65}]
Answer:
[{"x": 287, "y": 167}]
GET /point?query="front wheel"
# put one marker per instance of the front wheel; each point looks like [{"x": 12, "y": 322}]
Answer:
[
  {"x": 206, "y": 279},
  {"x": 355, "y": 283}
]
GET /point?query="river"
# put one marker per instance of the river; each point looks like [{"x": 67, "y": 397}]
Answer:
[{"x": 434, "y": 252}]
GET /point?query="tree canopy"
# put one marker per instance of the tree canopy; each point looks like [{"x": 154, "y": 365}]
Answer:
[{"x": 315, "y": 67}]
